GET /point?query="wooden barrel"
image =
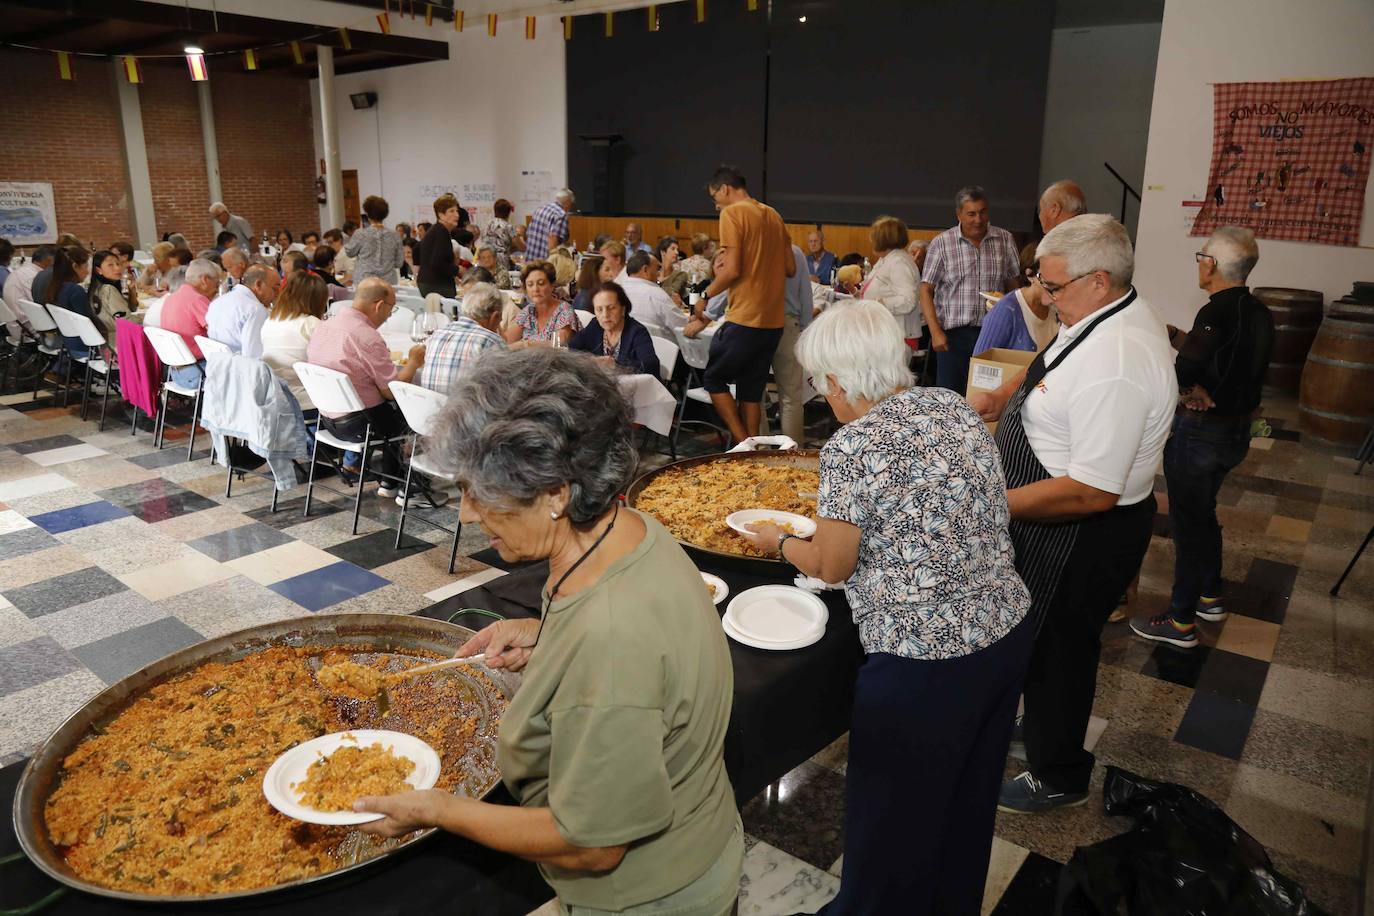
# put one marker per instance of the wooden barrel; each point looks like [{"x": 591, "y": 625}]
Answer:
[
  {"x": 1349, "y": 305},
  {"x": 1297, "y": 315},
  {"x": 1336, "y": 405}
]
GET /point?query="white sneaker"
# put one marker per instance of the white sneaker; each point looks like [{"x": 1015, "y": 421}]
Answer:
[
  {"x": 386, "y": 492},
  {"x": 437, "y": 497}
]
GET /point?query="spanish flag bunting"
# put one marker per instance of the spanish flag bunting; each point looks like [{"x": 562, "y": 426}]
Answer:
[
  {"x": 491, "y": 24},
  {"x": 567, "y": 28},
  {"x": 457, "y": 20},
  {"x": 529, "y": 28},
  {"x": 652, "y": 13},
  {"x": 347, "y": 41},
  {"x": 250, "y": 59},
  {"x": 64, "y": 66},
  {"x": 610, "y": 24},
  {"x": 701, "y": 10},
  {"x": 131, "y": 70},
  {"x": 429, "y": 15},
  {"x": 196, "y": 64},
  {"x": 297, "y": 55},
  {"x": 384, "y": 23}
]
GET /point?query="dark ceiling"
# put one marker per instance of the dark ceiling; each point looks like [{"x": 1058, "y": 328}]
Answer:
[{"x": 117, "y": 27}]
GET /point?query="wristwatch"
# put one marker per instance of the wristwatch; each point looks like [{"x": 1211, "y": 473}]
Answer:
[{"x": 782, "y": 539}]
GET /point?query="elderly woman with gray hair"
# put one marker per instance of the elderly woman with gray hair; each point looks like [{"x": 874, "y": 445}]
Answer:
[
  {"x": 614, "y": 743},
  {"x": 912, "y": 516}
]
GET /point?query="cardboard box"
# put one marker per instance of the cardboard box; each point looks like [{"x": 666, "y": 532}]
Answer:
[{"x": 993, "y": 368}]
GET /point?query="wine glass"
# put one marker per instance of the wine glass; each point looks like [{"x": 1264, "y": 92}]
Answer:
[
  {"x": 417, "y": 329},
  {"x": 432, "y": 321}
]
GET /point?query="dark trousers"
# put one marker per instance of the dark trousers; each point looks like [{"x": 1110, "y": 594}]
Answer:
[
  {"x": 1063, "y": 671},
  {"x": 386, "y": 421},
  {"x": 448, "y": 290},
  {"x": 1197, "y": 459},
  {"x": 927, "y": 749},
  {"x": 951, "y": 367}
]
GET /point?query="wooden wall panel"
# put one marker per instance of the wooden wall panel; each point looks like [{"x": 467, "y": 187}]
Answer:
[{"x": 840, "y": 239}]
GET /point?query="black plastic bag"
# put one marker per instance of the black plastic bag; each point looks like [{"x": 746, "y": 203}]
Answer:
[{"x": 1183, "y": 856}]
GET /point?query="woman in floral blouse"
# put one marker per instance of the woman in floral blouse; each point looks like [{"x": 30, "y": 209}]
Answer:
[
  {"x": 912, "y": 516},
  {"x": 500, "y": 235},
  {"x": 546, "y": 320}
]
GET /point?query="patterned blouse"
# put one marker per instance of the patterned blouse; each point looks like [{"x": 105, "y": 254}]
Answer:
[
  {"x": 563, "y": 317},
  {"x": 378, "y": 252},
  {"x": 920, "y": 477},
  {"x": 498, "y": 233}
]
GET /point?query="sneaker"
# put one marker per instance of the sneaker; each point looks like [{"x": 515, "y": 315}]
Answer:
[
  {"x": 1165, "y": 629},
  {"x": 1025, "y": 794},
  {"x": 1212, "y": 609},
  {"x": 386, "y": 492},
  {"x": 435, "y": 498}
]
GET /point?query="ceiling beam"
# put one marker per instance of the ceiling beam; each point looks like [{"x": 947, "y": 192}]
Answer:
[
  {"x": 61, "y": 27},
  {"x": 177, "y": 36},
  {"x": 198, "y": 21}
]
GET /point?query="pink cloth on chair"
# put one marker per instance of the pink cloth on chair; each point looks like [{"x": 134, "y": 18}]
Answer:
[{"x": 140, "y": 371}]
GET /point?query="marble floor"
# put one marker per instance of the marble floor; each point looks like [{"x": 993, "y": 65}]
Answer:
[{"x": 113, "y": 554}]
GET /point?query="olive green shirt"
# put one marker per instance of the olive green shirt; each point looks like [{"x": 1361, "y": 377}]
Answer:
[{"x": 619, "y": 727}]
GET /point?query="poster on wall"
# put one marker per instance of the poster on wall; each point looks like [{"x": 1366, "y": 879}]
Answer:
[
  {"x": 27, "y": 214},
  {"x": 536, "y": 189},
  {"x": 1290, "y": 160},
  {"x": 476, "y": 197}
]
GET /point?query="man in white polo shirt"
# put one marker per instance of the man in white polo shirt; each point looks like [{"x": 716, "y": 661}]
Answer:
[
  {"x": 652, "y": 306},
  {"x": 1081, "y": 434}
]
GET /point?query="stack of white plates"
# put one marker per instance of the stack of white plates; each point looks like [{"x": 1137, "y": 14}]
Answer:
[{"x": 775, "y": 617}]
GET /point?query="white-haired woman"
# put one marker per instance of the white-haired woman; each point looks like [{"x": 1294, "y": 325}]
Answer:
[
  {"x": 614, "y": 744},
  {"x": 912, "y": 516}
]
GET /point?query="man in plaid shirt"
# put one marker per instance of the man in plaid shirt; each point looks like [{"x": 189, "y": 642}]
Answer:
[
  {"x": 548, "y": 227},
  {"x": 453, "y": 349},
  {"x": 961, "y": 262}
]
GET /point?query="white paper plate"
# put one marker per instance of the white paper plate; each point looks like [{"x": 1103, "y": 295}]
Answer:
[
  {"x": 777, "y": 615},
  {"x": 291, "y": 768},
  {"x": 739, "y": 637},
  {"x": 803, "y": 526},
  {"x": 993, "y": 298},
  {"x": 719, "y": 590}
]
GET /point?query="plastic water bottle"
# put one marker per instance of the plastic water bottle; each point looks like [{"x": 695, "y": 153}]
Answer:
[{"x": 867, "y": 267}]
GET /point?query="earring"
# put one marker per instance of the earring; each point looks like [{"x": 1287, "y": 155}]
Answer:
[{"x": 554, "y": 516}]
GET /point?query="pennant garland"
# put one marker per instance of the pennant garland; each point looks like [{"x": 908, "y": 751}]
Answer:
[
  {"x": 610, "y": 25},
  {"x": 64, "y": 66},
  {"x": 250, "y": 59},
  {"x": 429, "y": 15},
  {"x": 196, "y": 64},
  {"x": 567, "y": 28},
  {"x": 529, "y": 28},
  {"x": 457, "y": 20},
  {"x": 347, "y": 41},
  {"x": 132, "y": 71},
  {"x": 701, "y": 10},
  {"x": 652, "y": 13},
  {"x": 491, "y": 25},
  {"x": 297, "y": 55},
  {"x": 384, "y": 23}
]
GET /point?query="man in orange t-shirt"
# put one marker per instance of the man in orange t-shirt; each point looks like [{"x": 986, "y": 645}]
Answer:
[{"x": 755, "y": 262}]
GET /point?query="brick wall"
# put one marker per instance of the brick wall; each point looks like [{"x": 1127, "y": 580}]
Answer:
[
  {"x": 71, "y": 137},
  {"x": 66, "y": 133}
]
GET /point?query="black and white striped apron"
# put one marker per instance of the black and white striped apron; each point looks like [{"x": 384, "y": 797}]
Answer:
[{"x": 1042, "y": 548}]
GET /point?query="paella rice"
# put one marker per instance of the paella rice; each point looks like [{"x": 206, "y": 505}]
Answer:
[
  {"x": 334, "y": 782},
  {"x": 166, "y": 798},
  {"x": 693, "y": 501}
]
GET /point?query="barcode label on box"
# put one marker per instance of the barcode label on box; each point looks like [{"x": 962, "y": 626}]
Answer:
[{"x": 985, "y": 376}]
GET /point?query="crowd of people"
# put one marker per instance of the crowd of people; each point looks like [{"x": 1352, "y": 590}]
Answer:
[{"x": 980, "y": 568}]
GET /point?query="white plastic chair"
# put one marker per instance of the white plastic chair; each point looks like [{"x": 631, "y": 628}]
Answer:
[
  {"x": 585, "y": 317},
  {"x": 332, "y": 392},
  {"x": 173, "y": 353},
  {"x": 71, "y": 324},
  {"x": 420, "y": 406},
  {"x": 42, "y": 323},
  {"x": 336, "y": 307},
  {"x": 667, "y": 352}
]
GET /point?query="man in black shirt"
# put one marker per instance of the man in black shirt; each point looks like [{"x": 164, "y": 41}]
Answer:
[{"x": 1220, "y": 367}]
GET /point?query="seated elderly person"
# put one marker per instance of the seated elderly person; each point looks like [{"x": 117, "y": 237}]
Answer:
[
  {"x": 615, "y": 338},
  {"x": 184, "y": 311},
  {"x": 912, "y": 516},
  {"x": 236, "y": 318},
  {"x": 546, "y": 320},
  {"x": 235, "y": 262},
  {"x": 154, "y": 276},
  {"x": 700, "y": 265},
  {"x": 322, "y": 265},
  {"x": 453, "y": 349},
  {"x": 614, "y": 744},
  {"x": 349, "y": 342},
  {"x": 612, "y": 261},
  {"x": 652, "y": 305},
  {"x": 293, "y": 262},
  {"x": 671, "y": 276}
]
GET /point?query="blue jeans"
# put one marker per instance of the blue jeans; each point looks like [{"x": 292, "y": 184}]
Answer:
[
  {"x": 191, "y": 376},
  {"x": 951, "y": 367},
  {"x": 1197, "y": 458}
]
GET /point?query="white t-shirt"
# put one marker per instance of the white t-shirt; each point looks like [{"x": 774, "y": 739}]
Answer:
[
  {"x": 1103, "y": 415},
  {"x": 1041, "y": 330},
  {"x": 283, "y": 345}
]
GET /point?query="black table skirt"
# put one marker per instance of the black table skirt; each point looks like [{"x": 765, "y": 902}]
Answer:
[{"x": 788, "y": 705}]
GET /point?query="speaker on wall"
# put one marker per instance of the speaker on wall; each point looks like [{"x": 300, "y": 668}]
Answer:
[{"x": 363, "y": 100}]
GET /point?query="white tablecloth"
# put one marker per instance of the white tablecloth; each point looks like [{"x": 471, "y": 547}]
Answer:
[
  {"x": 697, "y": 350},
  {"x": 653, "y": 405}
]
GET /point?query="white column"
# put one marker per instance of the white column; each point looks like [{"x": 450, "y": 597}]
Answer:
[
  {"x": 329, "y": 131},
  {"x": 142, "y": 220},
  {"x": 211, "y": 145}
]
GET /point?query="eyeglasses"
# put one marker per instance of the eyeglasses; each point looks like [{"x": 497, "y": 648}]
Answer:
[
  {"x": 1201, "y": 256},
  {"x": 1055, "y": 290}
]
